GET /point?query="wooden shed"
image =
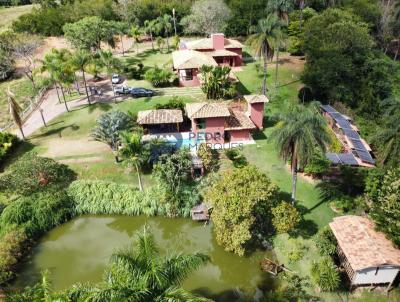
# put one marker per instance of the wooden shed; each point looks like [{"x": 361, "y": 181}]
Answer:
[{"x": 368, "y": 257}]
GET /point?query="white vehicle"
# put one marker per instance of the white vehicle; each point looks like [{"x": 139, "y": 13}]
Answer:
[{"x": 115, "y": 78}]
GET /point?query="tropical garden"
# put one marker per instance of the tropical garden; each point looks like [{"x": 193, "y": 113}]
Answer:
[{"x": 271, "y": 199}]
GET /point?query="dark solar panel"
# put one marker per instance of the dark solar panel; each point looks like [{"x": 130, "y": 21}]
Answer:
[
  {"x": 336, "y": 115},
  {"x": 365, "y": 156},
  {"x": 343, "y": 123},
  {"x": 333, "y": 157},
  {"x": 328, "y": 108},
  {"x": 350, "y": 133},
  {"x": 358, "y": 145},
  {"x": 348, "y": 159}
]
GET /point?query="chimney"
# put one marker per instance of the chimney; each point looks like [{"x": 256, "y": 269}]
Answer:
[{"x": 218, "y": 41}]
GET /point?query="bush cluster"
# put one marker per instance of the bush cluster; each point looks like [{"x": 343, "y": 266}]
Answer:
[
  {"x": 7, "y": 142},
  {"x": 159, "y": 77},
  {"x": 101, "y": 197}
]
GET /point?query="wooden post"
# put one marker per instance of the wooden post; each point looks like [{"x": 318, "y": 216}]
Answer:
[{"x": 177, "y": 126}]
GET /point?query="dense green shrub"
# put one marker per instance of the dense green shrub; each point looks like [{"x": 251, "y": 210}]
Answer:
[
  {"x": 32, "y": 173},
  {"x": 37, "y": 213},
  {"x": 7, "y": 142},
  {"x": 174, "y": 103},
  {"x": 325, "y": 274},
  {"x": 43, "y": 21},
  {"x": 159, "y": 77},
  {"x": 386, "y": 207},
  {"x": 325, "y": 242},
  {"x": 208, "y": 156},
  {"x": 11, "y": 245},
  {"x": 317, "y": 166},
  {"x": 285, "y": 217},
  {"x": 100, "y": 197},
  {"x": 237, "y": 157}
]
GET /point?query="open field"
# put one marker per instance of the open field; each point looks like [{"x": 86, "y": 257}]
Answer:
[{"x": 9, "y": 14}]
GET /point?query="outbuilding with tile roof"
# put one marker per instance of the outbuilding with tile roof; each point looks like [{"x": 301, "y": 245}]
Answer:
[{"x": 366, "y": 254}]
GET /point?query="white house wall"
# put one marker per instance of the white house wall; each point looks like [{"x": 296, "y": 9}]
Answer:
[{"x": 371, "y": 276}]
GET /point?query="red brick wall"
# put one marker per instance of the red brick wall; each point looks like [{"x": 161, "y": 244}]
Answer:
[
  {"x": 238, "y": 61},
  {"x": 218, "y": 41},
  {"x": 214, "y": 126},
  {"x": 257, "y": 114},
  {"x": 239, "y": 135}
]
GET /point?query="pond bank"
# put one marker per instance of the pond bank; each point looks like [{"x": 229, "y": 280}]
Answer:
[{"x": 78, "y": 251}]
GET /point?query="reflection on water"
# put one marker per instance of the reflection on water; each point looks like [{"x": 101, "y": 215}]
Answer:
[{"x": 78, "y": 251}]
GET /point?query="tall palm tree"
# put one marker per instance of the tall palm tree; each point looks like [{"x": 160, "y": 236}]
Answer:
[
  {"x": 388, "y": 135},
  {"x": 164, "y": 23},
  {"x": 50, "y": 65},
  {"x": 132, "y": 152},
  {"x": 261, "y": 41},
  {"x": 281, "y": 7},
  {"x": 139, "y": 273},
  {"x": 15, "y": 111},
  {"x": 80, "y": 60},
  {"x": 64, "y": 74},
  {"x": 299, "y": 134},
  {"x": 150, "y": 28},
  {"x": 135, "y": 33}
]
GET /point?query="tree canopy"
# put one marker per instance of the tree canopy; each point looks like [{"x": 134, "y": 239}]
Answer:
[{"x": 242, "y": 200}]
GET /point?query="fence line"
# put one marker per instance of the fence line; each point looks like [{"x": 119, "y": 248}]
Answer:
[{"x": 33, "y": 105}]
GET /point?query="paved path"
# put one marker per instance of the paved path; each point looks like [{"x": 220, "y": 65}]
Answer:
[{"x": 52, "y": 108}]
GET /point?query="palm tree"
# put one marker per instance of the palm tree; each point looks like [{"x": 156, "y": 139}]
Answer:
[
  {"x": 15, "y": 111},
  {"x": 80, "y": 60},
  {"x": 132, "y": 152},
  {"x": 135, "y": 34},
  {"x": 139, "y": 273},
  {"x": 261, "y": 41},
  {"x": 281, "y": 7},
  {"x": 50, "y": 65},
  {"x": 300, "y": 132},
  {"x": 110, "y": 63},
  {"x": 150, "y": 27},
  {"x": 164, "y": 23},
  {"x": 388, "y": 135},
  {"x": 109, "y": 127}
]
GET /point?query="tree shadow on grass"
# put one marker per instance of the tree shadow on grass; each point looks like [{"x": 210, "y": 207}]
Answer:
[
  {"x": 242, "y": 89},
  {"x": 19, "y": 150},
  {"x": 54, "y": 131}
]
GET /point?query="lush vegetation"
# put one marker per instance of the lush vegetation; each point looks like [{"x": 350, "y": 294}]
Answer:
[
  {"x": 136, "y": 272},
  {"x": 8, "y": 141},
  {"x": 242, "y": 200}
]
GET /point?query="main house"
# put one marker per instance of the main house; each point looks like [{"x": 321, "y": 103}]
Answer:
[
  {"x": 211, "y": 122},
  {"x": 214, "y": 51}
]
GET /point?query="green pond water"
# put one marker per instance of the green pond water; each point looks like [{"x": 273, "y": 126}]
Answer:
[{"x": 78, "y": 251}]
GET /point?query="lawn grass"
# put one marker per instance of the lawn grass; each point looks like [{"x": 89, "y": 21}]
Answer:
[
  {"x": 9, "y": 14},
  {"x": 23, "y": 91},
  {"x": 76, "y": 125}
]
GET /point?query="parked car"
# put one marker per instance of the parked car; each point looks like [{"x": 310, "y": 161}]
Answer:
[
  {"x": 123, "y": 90},
  {"x": 142, "y": 92},
  {"x": 115, "y": 79}
]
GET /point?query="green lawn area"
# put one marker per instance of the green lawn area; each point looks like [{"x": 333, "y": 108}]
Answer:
[
  {"x": 74, "y": 127},
  {"x": 9, "y": 14},
  {"x": 23, "y": 91}
]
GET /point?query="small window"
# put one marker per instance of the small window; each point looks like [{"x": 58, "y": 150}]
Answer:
[
  {"x": 189, "y": 74},
  {"x": 200, "y": 124}
]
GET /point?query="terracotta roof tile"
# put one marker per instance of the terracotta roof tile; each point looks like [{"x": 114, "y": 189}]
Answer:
[
  {"x": 160, "y": 116},
  {"x": 207, "y": 43},
  {"x": 207, "y": 110},
  {"x": 256, "y": 98},
  {"x": 362, "y": 244},
  {"x": 238, "y": 121},
  {"x": 187, "y": 59}
]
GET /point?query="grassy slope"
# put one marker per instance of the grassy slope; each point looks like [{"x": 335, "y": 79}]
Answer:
[{"x": 9, "y": 14}]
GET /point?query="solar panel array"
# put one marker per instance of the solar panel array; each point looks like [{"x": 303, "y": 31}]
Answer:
[
  {"x": 353, "y": 136},
  {"x": 342, "y": 158}
]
